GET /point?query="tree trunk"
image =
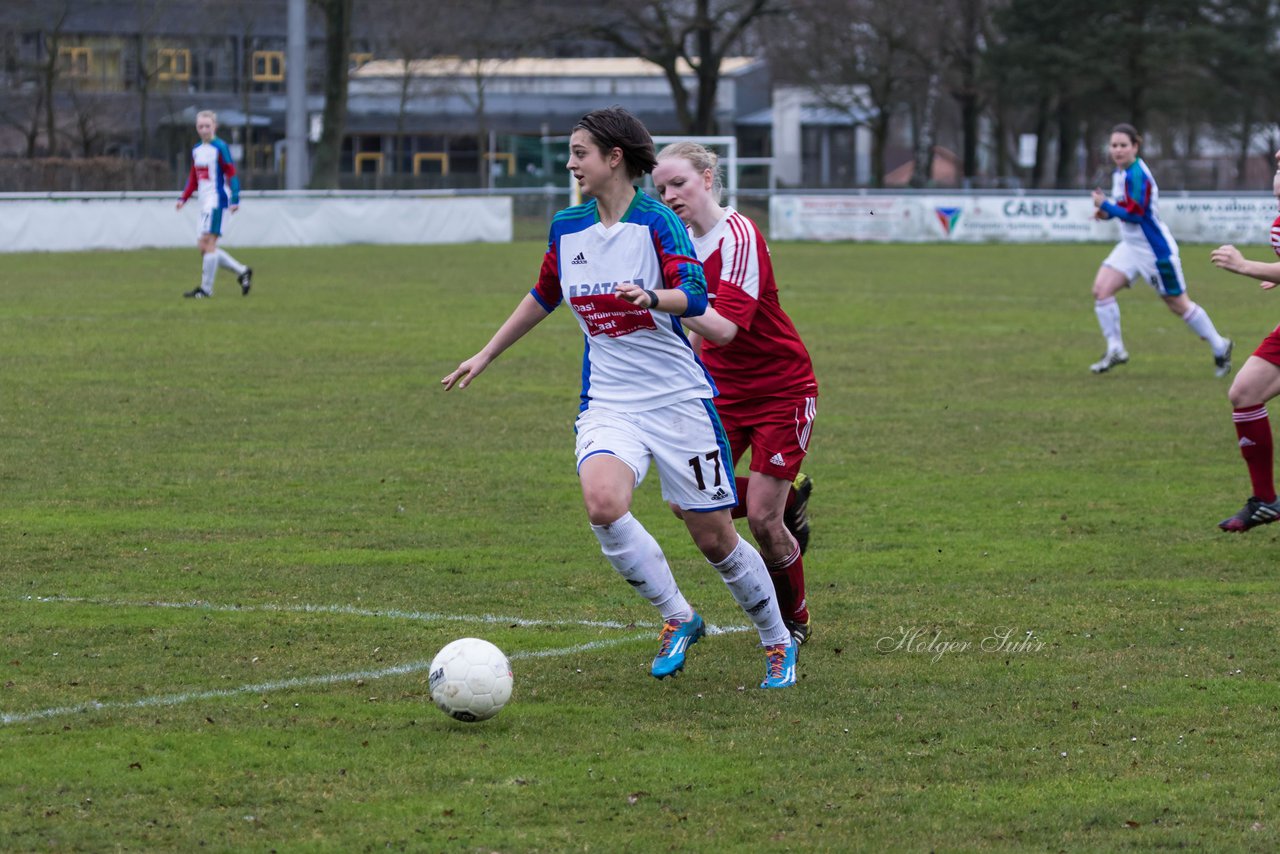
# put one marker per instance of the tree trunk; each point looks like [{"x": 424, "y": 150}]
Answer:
[
  {"x": 922, "y": 170},
  {"x": 1042, "y": 142},
  {"x": 337, "y": 15},
  {"x": 1242, "y": 157},
  {"x": 879, "y": 139},
  {"x": 50, "y": 78},
  {"x": 1068, "y": 137},
  {"x": 401, "y": 110}
]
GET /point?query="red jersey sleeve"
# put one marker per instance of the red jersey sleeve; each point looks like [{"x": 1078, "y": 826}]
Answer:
[
  {"x": 547, "y": 291},
  {"x": 738, "y": 293},
  {"x": 191, "y": 184}
]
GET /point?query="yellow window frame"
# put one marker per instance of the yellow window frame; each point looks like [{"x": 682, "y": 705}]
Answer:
[
  {"x": 431, "y": 156},
  {"x": 173, "y": 63},
  {"x": 272, "y": 65}
]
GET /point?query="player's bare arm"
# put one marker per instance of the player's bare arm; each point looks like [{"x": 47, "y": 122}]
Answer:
[
  {"x": 1229, "y": 258},
  {"x": 528, "y": 314},
  {"x": 713, "y": 326}
]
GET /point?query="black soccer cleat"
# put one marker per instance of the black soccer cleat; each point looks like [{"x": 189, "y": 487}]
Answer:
[
  {"x": 1222, "y": 364},
  {"x": 197, "y": 293},
  {"x": 1109, "y": 360},
  {"x": 799, "y": 631},
  {"x": 1254, "y": 513},
  {"x": 246, "y": 281},
  {"x": 796, "y": 517}
]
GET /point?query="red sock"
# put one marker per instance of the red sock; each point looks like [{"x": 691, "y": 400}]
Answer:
[
  {"x": 788, "y": 583},
  {"x": 740, "y": 512},
  {"x": 1254, "y": 429}
]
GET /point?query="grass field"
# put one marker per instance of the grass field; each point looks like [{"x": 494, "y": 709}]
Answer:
[{"x": 234, "y": 531}]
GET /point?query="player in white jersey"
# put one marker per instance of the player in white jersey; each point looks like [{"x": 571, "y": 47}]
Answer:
[
  {"x": 1147, "y": 250},
  {"x": 213, "y": 180},
  {"x": 646, "y": 400}
]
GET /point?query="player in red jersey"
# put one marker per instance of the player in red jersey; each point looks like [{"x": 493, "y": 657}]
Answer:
[
  {"x": 1256, "y": 383},
  {"x": 767, "y": 390}
]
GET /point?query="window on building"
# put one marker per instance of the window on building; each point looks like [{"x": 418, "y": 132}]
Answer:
[
  {"x": 74, "y": 61},
  {"x": 268, "y": 66},
  {"x": 173, "y": 64}
]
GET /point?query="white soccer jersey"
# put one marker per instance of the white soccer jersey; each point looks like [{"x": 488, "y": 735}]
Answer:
[
  {"x": 213, "y": 176},
  {"x": 635, "y": 359},
  {"x": 1135, "y": 202}
]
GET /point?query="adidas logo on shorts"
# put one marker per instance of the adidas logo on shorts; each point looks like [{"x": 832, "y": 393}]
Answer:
[{"x": 776, "y": 460}]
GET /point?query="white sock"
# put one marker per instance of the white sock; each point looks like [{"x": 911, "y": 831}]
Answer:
[
  {"x": 208, "y": 269},
  {"x": 225, "y": 260},
  {"x": 638, "y": 558},
  {"x": 1108, "y": 311},
  {"x": 1198, "y": 319},
  {"x": 745, "y": 575}
]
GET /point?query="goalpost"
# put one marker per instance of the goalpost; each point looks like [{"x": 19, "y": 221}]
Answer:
[{"x": 725, "y": 146}]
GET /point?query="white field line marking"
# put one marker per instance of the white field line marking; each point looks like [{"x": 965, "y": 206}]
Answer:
[
  {"x": 285, "y": 684},
  {"x": 347, "y": 610},
  {"x": 311, "y": 681}
]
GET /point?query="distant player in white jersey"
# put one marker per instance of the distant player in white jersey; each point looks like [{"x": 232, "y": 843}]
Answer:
[
  {"x": 1146, "y": 250},
  {"x": 213, "y": 179},
  {"x": 646, "y": 399}
]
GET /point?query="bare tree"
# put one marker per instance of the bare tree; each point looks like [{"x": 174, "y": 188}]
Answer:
[
  {"x": 49, "y": 67},
  {"x": 404, "y": 30},
  {"x": 968, "y": 40},
  {"x": 90, "y": 122},
  {"x": 22, "y": 96},
  {"x": 855, "y": 56},
  {"x": 672, "y": 34}
]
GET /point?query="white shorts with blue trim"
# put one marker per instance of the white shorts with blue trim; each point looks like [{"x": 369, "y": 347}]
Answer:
[
  {"x": 1164, "y": 275},
  {"x": 211, "y": 221},
  {"x": 685, "y": 440}
]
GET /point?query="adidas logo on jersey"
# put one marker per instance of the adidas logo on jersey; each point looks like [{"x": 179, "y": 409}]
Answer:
[
  {"x": 579, "y": 259},
  {"x": 776, "y": 460}
]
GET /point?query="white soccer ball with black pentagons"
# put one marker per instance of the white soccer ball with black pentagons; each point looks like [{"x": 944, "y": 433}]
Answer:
[{"x": 470, "y": 680}]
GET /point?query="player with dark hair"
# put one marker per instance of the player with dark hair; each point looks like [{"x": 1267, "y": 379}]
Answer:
[
  {"x": 1146, "y": 250},
  {"x": 646, "y": 399}
]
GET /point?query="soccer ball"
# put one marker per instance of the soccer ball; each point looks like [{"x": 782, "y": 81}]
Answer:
[{"x": 470, "y": 680}]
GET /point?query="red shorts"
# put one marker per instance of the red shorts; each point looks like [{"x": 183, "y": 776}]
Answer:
[
  {"x": 1269, "y": 349},
  {"x": 775, "y": 429}
]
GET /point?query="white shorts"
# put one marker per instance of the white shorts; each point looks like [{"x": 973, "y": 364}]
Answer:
[
  {"x": 684, "y": 440},
  {"x": 1164, "y": 275},
  {"x": 212, "y": 221}
]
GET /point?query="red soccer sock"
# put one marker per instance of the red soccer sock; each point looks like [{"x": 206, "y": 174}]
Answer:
[
  {"x": 1254, "y": 429},
  {"x": 740, "y": 512},
  {"x": 788, "y": 583}
]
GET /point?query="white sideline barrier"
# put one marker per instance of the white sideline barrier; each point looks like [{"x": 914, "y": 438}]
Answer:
[
  {"x": 68, "y": 222},
  {"x": 1008, "y": 218}
]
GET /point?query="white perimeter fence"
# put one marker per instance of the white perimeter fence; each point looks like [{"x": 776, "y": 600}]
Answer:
[
  {"x": 76, "y": 221},
  {"x": 57, "y": 222},
  {"x": 1008, "y": 217}
]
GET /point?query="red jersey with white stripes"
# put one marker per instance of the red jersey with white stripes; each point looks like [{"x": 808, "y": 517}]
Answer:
[{"x": 766, "y": 358}]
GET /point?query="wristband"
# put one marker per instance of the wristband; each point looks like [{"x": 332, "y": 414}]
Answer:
[{"x": 653, "y": 300}]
